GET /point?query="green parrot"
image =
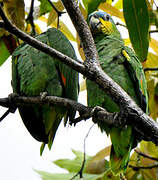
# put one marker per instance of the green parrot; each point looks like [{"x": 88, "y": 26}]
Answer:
[
  {"x": 123, "y": 66},
  {"x": 34, "y": 72}
]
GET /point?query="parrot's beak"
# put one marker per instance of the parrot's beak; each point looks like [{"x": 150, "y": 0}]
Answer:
[{"x": 95, "y": 24}]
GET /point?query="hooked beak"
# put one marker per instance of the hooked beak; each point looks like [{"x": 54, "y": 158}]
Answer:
[{"x": 95, "y": 24}]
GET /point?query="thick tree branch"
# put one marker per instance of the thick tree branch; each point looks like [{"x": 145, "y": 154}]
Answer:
[
  {"x": 135, "y": 116},
  {"x": 82, "y": 29},
  {"x": 14, "y": 101}
]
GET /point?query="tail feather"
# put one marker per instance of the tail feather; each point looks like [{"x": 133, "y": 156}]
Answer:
[
  {"x": 119, "y": 164},
  {"x": 122, "y": 142}
]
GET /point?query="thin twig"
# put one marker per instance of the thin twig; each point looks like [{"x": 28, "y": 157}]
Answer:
[
  {"x": 59, "y": 13},
  {"x": 145, "y": 155},
  {"x": 30, "y": 17},
  {"x": 153, "y": 31},
  {"x": 136, "y": 168},
  {"x": 150, "y": 69},
  {"x": 4, "y": 115},
  {"x": 80, "y": 173},
  {"x": 155, "y": 4},
  {"x": 122, "y": 177},
  {"x": 119, "y": 24}
]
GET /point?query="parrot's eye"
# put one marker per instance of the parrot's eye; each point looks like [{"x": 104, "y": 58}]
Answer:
[
  {"x": 95, "y": 15},
  {"x": 107, "y": 17}
]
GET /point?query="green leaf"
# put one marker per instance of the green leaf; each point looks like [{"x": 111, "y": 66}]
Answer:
[
  {"x": 113, "y": 11},
  {"x": 14, "y": 10},
  {"x": 72, "y": 165},
  {"x": 4, "y": 52},
  {"x": 45, "y": 7},
  {"x": 64, "y": 29},
  {"x": 49, "y": 176},
  {"x": 137, "y": 21},
  {"x": 109, "y": 176},
  {"x": 92, "y": 5},
  {"x": 53, "y": 15}
]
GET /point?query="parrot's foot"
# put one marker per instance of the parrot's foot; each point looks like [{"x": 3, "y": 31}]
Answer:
[
  {"x": 106, "y": 117},
  {"x": 116, "y": 119},
  {"x": 43, "y": 94},
  {"x": 120, "y": 119}
]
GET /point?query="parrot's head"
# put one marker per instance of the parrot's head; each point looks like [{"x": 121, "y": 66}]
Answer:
[{"x": 102, "y": 23}]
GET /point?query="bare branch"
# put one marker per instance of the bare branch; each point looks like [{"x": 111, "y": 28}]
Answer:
[
  {"x": 82, "y": 29},
  {"x": 80, "y": 173},
  {"x": 136, "y": 168},
  {"x": 150, "y": 69},
  {"x": 14, "y": 101}
]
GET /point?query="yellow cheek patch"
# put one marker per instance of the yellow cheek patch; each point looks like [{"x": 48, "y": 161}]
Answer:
[
  {"x": 106, "y": 27},
  {"x": 125, "y": 54}
]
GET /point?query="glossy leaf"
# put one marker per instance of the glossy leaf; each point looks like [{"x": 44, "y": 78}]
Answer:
[
  {"x": 83, "y": 85},
  {"x": 45, "y": 7},
  {"x": 109, "y": 176},
  {"x": 92, "y": 5},
  {"x": 151, "y": 76},
  {"x": 113, "y": 11},
  {"x": 119, "y": 4},
  {"x": 53, "y": 15},
  {"x": 97, "y": 163},
  {"x": 137, "y": 21},
  {"x": 4, "y": 52},
  {"x": 49, "y": 176},
  {"x": 83, "y": 11},
  {"x": 14, "y": 10},
  {"x": 63, "y": 28},
  {"x": 72, "y": 165},
  {"x": 154, "y": 45},
  {"x": 80, "y": 49}
]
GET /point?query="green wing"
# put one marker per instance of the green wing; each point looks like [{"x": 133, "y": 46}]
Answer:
[{"x": 34, "y": 72}]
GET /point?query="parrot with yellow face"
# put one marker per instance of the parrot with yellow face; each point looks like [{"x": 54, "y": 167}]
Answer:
[{"x": 123, "y": 66}]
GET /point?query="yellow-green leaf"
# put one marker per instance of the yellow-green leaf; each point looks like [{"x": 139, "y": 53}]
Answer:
[
  {"x": 92, "y": 5},
  {"x": 151, "y": 76},
  {"x": 14, "y": 10},
  {"x": 80, "y": 49},
  {"x": 4, "y": 52},
  {"x": 83, "y": 85},
  {"x": 119, "y": 4},
  {"x": 113, "y": 11},
  {"x": 137, "y": 21},
  {"x": 63, "y": 28},
  {"x": 83, "y": 11},
  {"x": 98, "y": 164},
  {"x": 53, "y": 15},
  {"x": 154, "y": 45}
]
